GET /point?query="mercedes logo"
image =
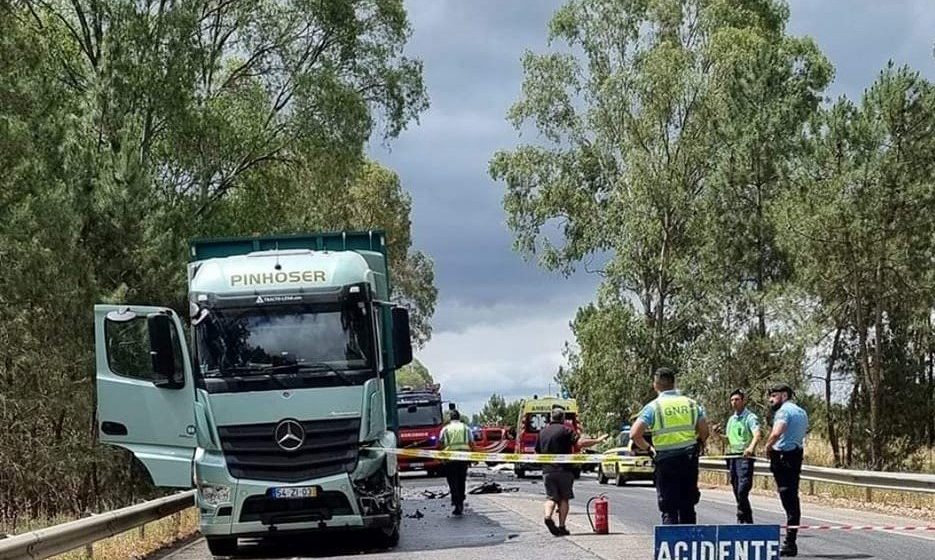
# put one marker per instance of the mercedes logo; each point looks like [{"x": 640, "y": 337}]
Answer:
[{"x": 290, "y": 435}]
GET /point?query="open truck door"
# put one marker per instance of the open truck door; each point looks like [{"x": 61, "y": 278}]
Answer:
[{"x": 145, "y": 389}]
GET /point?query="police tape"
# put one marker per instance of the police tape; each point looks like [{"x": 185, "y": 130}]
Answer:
[
  {"x": 543, "y": 458},
  {"x": 494, "y": 456},
  {"x": 494, "y": 448},
  {"x": 860, "y": 527}
]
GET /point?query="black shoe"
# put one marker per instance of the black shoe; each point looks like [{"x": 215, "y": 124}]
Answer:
[
  {"x": 458, "y": 510},
  {"x": 789, "y": 549},
  {"x": 552, "y": 527},
  {"x": 562, "y": 531}
]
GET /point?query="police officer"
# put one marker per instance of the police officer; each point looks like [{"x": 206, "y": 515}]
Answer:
[
  {"x": 679, "y": 431},
  {"x": 743, "y": 434},
  {"x": 456, "y": 436},
  {"x": 784, "y": 447}
]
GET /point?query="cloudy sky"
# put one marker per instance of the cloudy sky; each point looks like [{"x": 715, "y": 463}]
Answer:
[{"x": 501, "y": 323}]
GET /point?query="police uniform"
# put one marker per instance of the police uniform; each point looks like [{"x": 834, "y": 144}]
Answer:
[
  {"x": 456, "y": 437},
  {"x": 740, "y": 430},
  {"x": 672, "y": 418},
  {"x": 786, "y": 462}
]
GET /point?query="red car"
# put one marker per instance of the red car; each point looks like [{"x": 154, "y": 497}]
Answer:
[{"x": 494, "y": 439}]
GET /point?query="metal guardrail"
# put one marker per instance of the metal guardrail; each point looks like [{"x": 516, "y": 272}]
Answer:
[
  {"x": 906, "y": 482},
  {"x": 75, "y": 534}
]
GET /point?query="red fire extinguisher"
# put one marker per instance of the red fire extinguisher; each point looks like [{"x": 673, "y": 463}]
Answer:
[{"x": 600, "y": 523}]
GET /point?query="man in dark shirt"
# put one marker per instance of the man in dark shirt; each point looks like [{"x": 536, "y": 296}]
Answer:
[{"x": 559, "y": 479}]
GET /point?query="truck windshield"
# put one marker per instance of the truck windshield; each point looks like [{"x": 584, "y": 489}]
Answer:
[
  {"x": 332, "y": 338},
  {"x": 411, "y": 416}
]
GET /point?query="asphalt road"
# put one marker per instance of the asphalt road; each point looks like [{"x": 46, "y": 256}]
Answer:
[
  {"x": 633, "y": 509},
  {"x": 507, "y": 526}
]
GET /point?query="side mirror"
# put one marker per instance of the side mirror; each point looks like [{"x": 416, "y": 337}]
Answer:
[
  {"x": 162, "y": 350},
  {"x": 402, "y": 343}
]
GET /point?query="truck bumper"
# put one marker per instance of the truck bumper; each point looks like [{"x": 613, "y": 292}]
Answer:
[{"x": 251, "y": 513}]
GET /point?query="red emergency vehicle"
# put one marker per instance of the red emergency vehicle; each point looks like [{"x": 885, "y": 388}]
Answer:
[{"x": 420, "y": 424}]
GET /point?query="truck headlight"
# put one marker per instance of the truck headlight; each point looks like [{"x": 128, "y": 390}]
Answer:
[{"x": 213, "y": 495}]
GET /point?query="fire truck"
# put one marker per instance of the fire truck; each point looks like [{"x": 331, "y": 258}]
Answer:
[
  {"x": 420, "y": 425},
  {"x": 533, "y": 416}
]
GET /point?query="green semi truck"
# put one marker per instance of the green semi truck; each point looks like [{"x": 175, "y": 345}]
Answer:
[{"x": 281, "y": 410}]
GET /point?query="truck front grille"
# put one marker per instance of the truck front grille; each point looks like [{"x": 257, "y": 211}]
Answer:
[
  {"x": 270, "y": 511},
  {"x": 330, "y": 447}
]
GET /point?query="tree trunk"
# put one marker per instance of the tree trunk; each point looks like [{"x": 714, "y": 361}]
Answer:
[
  {"x": 760, "y": 267},
  {"x": 829, "y": 414},
  {"x": 868, "y": 371},
  {"x": 852, "y": 414},
  {"x": 931, "y": 377},
  {"x": 876, "y": 395}
]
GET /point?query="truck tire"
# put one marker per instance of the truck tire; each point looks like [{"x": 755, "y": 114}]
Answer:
[
  {"x": 520, "y": 472},
  {"x": 222, "y": 546},
  {"x": 621, "y": 480},
  {"x": 387, "y": 537}
]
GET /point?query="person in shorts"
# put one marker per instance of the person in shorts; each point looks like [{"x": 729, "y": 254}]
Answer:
[{"x": 559, "y": 479}]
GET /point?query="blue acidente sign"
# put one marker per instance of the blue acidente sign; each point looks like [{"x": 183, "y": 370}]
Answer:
[{"x": 717, "y": 542}]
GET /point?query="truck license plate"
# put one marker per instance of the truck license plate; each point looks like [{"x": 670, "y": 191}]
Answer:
[
  {"x": 417, "y": 465},
  {"x": 292, "y": 492}
]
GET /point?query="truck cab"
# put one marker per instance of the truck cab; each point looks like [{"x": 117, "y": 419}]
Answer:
[
  {"x": 420, "y": 426},
  {"x": 534, "y": 415},
  {"x": 281, "y": 410}
]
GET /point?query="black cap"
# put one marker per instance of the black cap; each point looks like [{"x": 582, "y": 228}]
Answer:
[
  {"x": 738, "y": 392},
  {"x": 781, "y": 388}
]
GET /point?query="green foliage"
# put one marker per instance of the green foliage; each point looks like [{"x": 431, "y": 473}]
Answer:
[
  {"x": 414, "y": 375},
  {"x": 748, "y": 234},
  {"x": 497, "y": 412},
  {"x": 127, "y": 128},
  {"x": 667, "y": 143},
  {"x": 860, "y": 227}
]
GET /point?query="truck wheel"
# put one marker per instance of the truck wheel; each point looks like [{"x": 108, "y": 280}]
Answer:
[
  {"x": 601, "y": 479},
  {"x": 222, "y": 546},
  {"x": 387, "y": 537},
  {"x": 621, "y": 480},
  {"x": 576, "y": 473},
  {"x": 520, "y": 472}
]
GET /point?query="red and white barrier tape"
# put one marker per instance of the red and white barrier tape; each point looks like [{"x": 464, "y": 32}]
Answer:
[{"x": 860, "y": 527}]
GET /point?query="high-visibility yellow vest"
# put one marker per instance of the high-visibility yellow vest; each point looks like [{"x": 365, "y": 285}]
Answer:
[
  {"x": 674, "y": 422},
  {"x": 739, "y": 434},
  {"x": 456, "y": 437}
]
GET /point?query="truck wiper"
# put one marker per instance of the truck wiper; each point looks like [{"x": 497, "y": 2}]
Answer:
[
  {"x": 303, "y": 367},
  {"x": 266, "y": 369},
  {"x": 322, "y": 366}
]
